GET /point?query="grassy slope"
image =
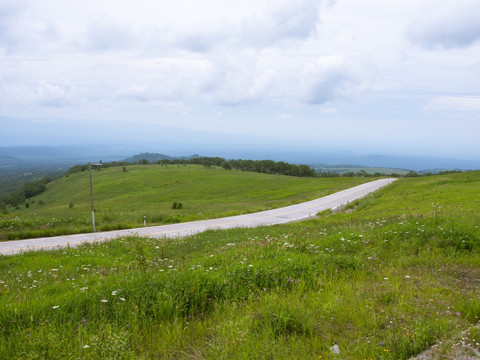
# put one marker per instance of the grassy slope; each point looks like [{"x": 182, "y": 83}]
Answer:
[
  {"x": 123, "y": 198},
  {"x": 386, "y": 281}
]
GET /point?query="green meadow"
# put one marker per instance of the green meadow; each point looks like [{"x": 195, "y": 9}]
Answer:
[
  {"x": 123, "y": 199},
  {"x": 394, "y": 274}
]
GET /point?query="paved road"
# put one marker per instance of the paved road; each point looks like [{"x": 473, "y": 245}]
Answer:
[{"x": 270, "y": 217}]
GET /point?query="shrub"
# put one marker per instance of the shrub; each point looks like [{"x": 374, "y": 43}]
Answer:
[{"x": 177, "y": 205}]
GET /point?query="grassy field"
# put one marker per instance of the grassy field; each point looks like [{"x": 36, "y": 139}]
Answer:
[
  {"x": 122, "y": 199},
  {"x": 398, "y": 274}
]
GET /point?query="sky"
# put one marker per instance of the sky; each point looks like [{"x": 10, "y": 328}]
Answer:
[{"x": 371, "y": 76}]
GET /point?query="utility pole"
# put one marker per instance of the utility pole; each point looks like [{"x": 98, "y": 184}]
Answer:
[{"x": 91, "y": 191}]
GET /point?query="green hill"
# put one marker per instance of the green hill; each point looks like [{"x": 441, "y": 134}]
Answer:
[
  {"x": 396, "y": 274},
  {"x": 123, "y": 196}
]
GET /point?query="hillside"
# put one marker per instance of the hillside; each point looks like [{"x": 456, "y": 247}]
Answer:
[
  {"x": 396, "y": 274},
  {"x": 125, "y": 195}
]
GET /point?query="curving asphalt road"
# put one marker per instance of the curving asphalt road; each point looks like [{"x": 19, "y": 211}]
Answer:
[{"x": 270, "y": 217}]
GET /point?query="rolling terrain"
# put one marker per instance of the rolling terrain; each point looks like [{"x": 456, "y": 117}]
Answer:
[
  {"x": 395, "y": 274},
  {"x": 126, "y": 196}
]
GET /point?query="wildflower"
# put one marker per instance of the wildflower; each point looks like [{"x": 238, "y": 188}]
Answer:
[
  {"x": 55, "y": 307},
  {"x": 457, "y": 313},
  {"x": 114, "y": 292},
  {"x": 123, "y": 299},
  {"x": 104, "y": 300},
  {"x": 84, "y": 321},
  {"x": 407, "y": 277},
  {"x": 86, "y": 346}
]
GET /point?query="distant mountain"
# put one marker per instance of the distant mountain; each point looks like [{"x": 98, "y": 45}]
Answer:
[
  {"x": 405, "y": 162},
  {"x": 154, "y": 157}
]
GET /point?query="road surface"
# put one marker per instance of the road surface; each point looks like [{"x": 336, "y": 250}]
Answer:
[{"x": 270, "y": 217}]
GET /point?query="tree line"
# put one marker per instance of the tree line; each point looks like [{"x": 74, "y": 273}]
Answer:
[{"x": 261, "y": 166}]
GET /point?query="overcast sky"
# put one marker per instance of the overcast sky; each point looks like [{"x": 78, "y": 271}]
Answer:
[{"x": 397, "y": 76}]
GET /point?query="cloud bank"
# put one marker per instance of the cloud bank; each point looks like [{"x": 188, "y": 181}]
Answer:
[
  {"x": 373, "y": 73},
  {"x": 450, "y": 24}
]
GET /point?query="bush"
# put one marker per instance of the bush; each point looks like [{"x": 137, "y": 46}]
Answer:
[{"x": 177, "y": 205}]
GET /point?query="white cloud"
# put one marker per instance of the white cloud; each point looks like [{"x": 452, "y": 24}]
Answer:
[
  {"x": 455, "y": 103},
  {"x": 285, "y": 117},
  {"x": 329, "y": 78},
  {"x": 447, "y": 24},
  {"x": 329, "y": 111},
  {"x": 236, "y": 79},
  {"x": 104, "y": 34},
  {"x": 22, "y": 31},
  {"x": 41, "y": 93},
  {"x": 273, "y": 24}
]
